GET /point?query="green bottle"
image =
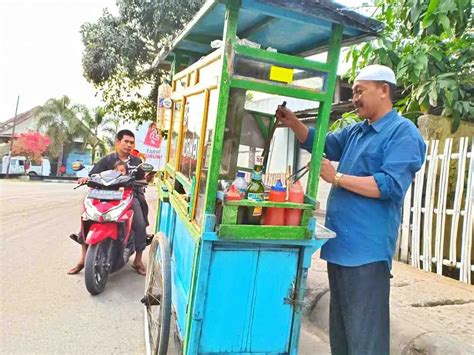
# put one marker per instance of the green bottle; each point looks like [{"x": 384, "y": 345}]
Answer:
[{"x": 255, "y": 192}]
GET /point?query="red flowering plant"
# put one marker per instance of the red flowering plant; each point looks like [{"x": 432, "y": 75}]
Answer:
[{"x": 32, "y": 145}]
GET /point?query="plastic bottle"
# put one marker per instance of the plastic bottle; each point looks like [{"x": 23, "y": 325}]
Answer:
[
  {"x": 255, "y": 192},
  {"x": 276, "y": 216},
  {"x": 293, "y": 215},
  {"x": 240, "y": 184},
  {"x": 234, "y": 195}
]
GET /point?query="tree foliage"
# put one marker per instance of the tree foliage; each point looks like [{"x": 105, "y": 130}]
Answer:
[
  {"x": 102, "y": 130},
  {"x": 430, "y": 46},
  {"x": 61, "y": 120},
  {"x": 31, "y": 144},
  {"x": 119, "y": 51}
]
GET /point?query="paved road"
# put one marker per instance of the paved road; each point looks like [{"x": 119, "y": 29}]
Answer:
[{"x": 44, "y": 310}]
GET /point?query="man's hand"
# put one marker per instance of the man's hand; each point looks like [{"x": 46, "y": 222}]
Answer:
[
  {"x": 328, "y": 172},
  {"x": 149, "y": 177},
  {"x": 289, "y": 119},
  {"x": 83, "y": 180},
  {"x": 285, "y": 116}
]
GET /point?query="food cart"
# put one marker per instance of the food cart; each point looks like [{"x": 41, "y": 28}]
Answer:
[{"x": 214, "y": 284}]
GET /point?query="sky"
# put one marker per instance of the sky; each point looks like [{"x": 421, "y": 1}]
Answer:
[{"x": 41, "y": 51}]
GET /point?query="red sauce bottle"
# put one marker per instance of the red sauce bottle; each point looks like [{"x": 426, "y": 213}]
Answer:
[
  {"x": 293, "y": 215},
  {"x": 276, "y": 216}
]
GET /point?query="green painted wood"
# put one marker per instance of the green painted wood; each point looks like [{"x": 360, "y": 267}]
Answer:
[
  {"x": 191, "y": 201},
  {"x": 229, "y": 214},
  {"x": 163, "y": 195},
  {"x": 261, "y": 125},
  {"x": 311, "y": 201},
  {"x": 178, "y": 207},
  {"x": 170, "y": 169},
  {"x": 181, "y": 203},
  {"x": 307, "y": 214},
  {"x": 167, "y": 183},
  {"x": 236, "y": 231},
  {"x": 158, "y": 212},
  {"x": 229, "y": 38},
  {"x": 275, "y": 88},
  {"x": 281, "y": 59},
  {"x": 266, "y": 204},
  {"x": 324, "y": 111}
]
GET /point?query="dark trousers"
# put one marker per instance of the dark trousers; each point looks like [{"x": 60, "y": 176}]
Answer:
[
  {"x": 139, "y": 224},
  {"x": 359, "y": 314}
]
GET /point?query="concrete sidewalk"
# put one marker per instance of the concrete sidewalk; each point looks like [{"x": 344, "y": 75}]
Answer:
[{"x": 430, "y": 314}]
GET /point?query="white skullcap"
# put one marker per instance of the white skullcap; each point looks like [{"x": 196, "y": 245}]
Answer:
[{"x": 377, "y": 72}]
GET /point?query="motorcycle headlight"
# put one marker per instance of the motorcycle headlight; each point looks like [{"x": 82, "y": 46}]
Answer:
[
  {"x": 114, "y": 213},
  {"x": 90, "y": 211}
]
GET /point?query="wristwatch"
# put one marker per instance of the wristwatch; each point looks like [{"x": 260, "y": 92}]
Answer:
[{"x": 337, "y": 179}]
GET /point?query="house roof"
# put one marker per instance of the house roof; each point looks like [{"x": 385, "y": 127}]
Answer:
[{"x": 7, "y": 126}]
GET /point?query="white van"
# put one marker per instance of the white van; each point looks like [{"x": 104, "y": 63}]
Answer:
[
  {"x": 17, "y": 165},
  {"x": 43, "y": 169}
]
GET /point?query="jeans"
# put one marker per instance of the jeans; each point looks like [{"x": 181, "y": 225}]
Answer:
[{"x": 359, "y": 313}]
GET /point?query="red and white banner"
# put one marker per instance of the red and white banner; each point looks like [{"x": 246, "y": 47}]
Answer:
[{"x": 150, "y": 143}]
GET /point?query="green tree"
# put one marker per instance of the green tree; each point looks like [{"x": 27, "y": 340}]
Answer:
[
  {"x": 102, "y": 130},
  {"x": 430, "y": 46},
  {"x": 61, "y": 122},
  {"x": 119, "y": 51}
]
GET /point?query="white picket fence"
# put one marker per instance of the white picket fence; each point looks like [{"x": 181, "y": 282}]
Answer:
[{"x": 427, "y": 240}]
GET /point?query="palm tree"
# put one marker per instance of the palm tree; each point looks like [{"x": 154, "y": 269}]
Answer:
[
  {"x": 60, "y": 120},
  {"x": 102, "y": 130}
]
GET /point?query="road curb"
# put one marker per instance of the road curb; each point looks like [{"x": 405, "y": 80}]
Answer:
[{"x": 60, "y": 181}]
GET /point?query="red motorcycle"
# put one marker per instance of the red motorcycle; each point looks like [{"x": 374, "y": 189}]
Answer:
[{"x": 106, "y": 224}]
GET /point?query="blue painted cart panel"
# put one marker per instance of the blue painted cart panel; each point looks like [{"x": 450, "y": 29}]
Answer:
[
  {"x": 165, "y": 218},
  {"x": 182, "y": 248},
  {"x": 182, "y": 267},
  {"x": 245, "y": 308}
]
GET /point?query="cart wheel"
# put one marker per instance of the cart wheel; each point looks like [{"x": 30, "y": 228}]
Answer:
[{"x": 157, "y": 298}]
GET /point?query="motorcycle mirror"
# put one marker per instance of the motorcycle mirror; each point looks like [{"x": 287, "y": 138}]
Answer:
[
  {"x": 146, "y": 167},
  {"x": 77, "y": 165}
]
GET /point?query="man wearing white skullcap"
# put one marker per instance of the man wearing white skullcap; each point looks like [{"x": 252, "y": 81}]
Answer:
[{"x": 378, "y": 159}]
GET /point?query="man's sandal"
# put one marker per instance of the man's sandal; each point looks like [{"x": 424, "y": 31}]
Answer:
[
  {"x": 76, "y": 269},
  {"x": 139, "y": 269}
]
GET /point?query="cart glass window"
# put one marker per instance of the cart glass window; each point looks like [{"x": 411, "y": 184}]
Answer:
[
  {"x": 175, "y": 133},
  {"x": 209, "y": 74},
  {"x": 179, "y": 85},
  {"x": 298, "y": 78},
  {"x": 211, "y": 123},
  {"x": 192, "y": 125}
]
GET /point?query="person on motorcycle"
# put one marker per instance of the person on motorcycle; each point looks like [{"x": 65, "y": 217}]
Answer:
[{"x": 124, "y": 144}]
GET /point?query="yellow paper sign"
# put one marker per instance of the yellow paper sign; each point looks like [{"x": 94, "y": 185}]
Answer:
[{"x": 283, "y": 75}]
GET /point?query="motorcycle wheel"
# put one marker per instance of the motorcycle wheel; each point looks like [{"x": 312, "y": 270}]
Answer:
[
  {"x": 157, "y": 298},
  {"x": 97, "y": 266}
]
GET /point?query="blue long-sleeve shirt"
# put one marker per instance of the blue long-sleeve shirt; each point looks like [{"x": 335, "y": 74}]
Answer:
[{"x": 392, "y": 151}]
